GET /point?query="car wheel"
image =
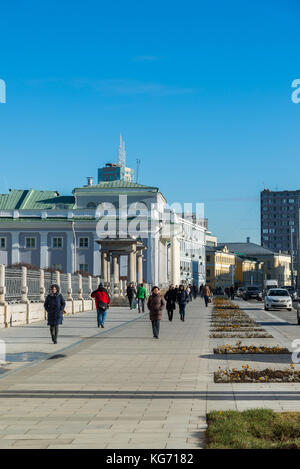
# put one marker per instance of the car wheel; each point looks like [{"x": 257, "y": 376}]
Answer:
[
  {"x": 289, "y": 309},
  {"x": 298, "y": 319},
  {"x": 266, "y": 309}
]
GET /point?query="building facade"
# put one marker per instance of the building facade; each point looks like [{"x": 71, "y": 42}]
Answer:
[
  {"x": 220, "y": 267},
  {"x": 48, "y": 230},
  {"x": 275, "y": 265}
]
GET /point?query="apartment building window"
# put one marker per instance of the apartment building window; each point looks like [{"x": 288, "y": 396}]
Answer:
[
  {"x": 2, "y": 243},
  {"x": 83, "y": 242},
  {"x": 83, "y": 267},
  {"x": 30, "y": 243},
  {"x": 207, "y": 258},
  {"x": 57, "y": 243}
]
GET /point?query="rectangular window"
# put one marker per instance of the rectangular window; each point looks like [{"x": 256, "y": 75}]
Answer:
[
  {"x": 2, "y": 243},
  {"x": 30, "y": 243},
  {"x": 57, "y": 243},
  {"x": 83, "y": 242},
  {"x": 83, "y": 267},
  {"x": 208, "y": 258}
]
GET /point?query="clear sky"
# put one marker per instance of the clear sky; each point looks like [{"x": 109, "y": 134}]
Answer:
[{"x": 201, "y": 92}]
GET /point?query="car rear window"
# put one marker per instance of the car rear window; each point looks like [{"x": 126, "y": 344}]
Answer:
[{"x": 278, "y": 293}]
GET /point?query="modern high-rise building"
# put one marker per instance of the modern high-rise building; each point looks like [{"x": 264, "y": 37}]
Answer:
[{"x": 280, "y": 220}]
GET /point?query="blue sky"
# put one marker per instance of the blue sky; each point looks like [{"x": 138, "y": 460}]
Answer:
[{"x": 201, "y": 92}]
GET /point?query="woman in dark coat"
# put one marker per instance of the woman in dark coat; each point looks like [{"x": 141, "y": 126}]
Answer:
[
  {"x": 155, "y": 305},
  {"x": 170, "y": 297},
  {"x": 54, "y": 305},
  {"x": 182, "y": 299}
]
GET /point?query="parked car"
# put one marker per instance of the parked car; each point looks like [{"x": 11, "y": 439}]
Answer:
[
  {"x": 240, "y": 291},
  {"x": 278, "y": 298},
  {"x": 292, "y": 291},
  {"x": 252, "y": 293}
]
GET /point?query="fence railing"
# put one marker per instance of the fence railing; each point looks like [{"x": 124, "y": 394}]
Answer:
[{"x": 27, "y": 286}]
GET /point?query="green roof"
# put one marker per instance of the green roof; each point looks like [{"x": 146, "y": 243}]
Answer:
[
  {"x": 34, "y": 200},
  {"x": 117, "y": 185}
]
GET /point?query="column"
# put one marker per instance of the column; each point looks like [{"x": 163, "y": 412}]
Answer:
[
  {"x": 2, "y": 284},
  {"x": 24, "y": 287},
  {"x": 79, "y": 287},
  {"x": 70, "y": 298},
  {"x": 42, "y": 285},
  {"x": 175, "y": 261},
  {"x": 96, "y": 258},
  {"x": 15, "y": 247},
  {"x": 116, "y": 274},
  {"x": 140, "y": 267},
  {"x": 108, "y": 274},
  {"x": 104, "y": 267},
  {"x": 90, "y": 285},
  {"x": 132, "y": 267},
  {"x": 70, "y": 252},
  {"x": 57, "y": 275},
  {"x": 44, "y": 250}
]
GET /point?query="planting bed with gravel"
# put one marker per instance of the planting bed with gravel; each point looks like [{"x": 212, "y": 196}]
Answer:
[{"x": 251, "y": 375}]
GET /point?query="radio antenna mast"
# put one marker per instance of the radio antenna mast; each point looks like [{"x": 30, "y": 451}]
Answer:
[
  {"x": 122, "y": 153},
  {"x": 138, "y": 162}
]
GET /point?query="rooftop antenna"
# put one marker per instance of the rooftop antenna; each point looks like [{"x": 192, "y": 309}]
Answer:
[
  {"x": 138, "y": 162},
  {"x": 122, "y": 153}
]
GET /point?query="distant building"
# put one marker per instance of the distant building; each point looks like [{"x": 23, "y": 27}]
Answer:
[
  {"x": 117, "y": 171},
  {"x": 279, "y": 219},
  {"x": 220, "y": 267},
  {"x": 276, "y": 265}
]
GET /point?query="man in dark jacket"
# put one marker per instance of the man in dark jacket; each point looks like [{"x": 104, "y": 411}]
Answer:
[
  {"x": 130, "y": 292},
  {"x": 182, "y": 300},
  {"x": 54, "y": 305},
  {"x": 102, "y": 301}
]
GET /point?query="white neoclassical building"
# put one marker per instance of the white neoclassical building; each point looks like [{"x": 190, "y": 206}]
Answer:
[{"x": 63, "y": 232}]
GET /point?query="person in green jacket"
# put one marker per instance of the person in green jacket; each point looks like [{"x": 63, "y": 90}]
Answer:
[{"x": 141, "y": 295}]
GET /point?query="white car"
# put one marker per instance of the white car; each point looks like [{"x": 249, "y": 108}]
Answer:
[{"x": 278, "y": 298}]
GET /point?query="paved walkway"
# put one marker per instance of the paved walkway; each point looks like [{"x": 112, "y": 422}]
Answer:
[{"x": 119, "y": 389}]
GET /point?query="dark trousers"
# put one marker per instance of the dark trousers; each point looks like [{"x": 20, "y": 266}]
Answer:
[
  {"x": 170, "y": 314},
  {"x": 54, "y": 333},
  {"x": 206, "y": 298},
  {"x": 155, "y": 327},
  {"x": 182, "y": 311},
  {"x": 130, "y": 298},
  {"x": 141, "y": 301}
]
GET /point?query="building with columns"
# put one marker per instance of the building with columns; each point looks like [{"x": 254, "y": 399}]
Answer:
[{"x": 116, "y": 229}]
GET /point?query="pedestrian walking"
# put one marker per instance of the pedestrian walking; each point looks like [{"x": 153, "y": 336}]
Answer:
[
  {"x": 102, "y": 301},
  {"x": 155, "y": 305},
  {"x": 131, "y": 293},
  {"x": 232, "y": 292},
  {"x": 170, "y": 297},
  {"x": 54, "y": 305},
  {"x": 182, "y": 300},
  {"x": 141, "y": 296},
  {"x": 206, "y": 294},
  {"x": 195, "y": 291},
  {"x": 200, "y": 289}
]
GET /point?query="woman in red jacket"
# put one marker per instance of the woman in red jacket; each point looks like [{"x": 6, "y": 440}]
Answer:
[{"x": 102, "y": 301}]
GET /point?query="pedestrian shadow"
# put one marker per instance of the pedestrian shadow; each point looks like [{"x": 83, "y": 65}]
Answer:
[
  {"x": 25, "y": 356},
  {"x": 279, "y": 323},
  {"x": 277, "y": 358}
]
